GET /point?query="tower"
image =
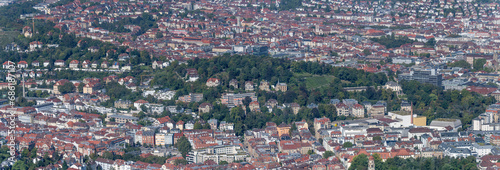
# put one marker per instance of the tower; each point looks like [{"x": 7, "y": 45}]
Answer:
[
  {"x": 371, "y": 163},
  {"x": 238, "y": 18}
]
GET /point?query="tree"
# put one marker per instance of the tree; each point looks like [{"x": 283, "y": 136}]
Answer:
[
  {"x": 247, "y": 101},
  {"x": 223, "y": 163},
  {"x": 347, "y": 145},
  {"x": 327, "y": 154},
  {"x": 68, "y": 40},
  {"x": 431, "y": 42},
  {"x": 392, "y": 41},
  {"x": 293, "y": 128},
  {"x": 366, "y": 52},
  {"x": 183, "y": 146},
  {"x": 359, "y": 162},
  {"x": 67, "y": 87},
  {"x": 159, "y": 35},
  {"x": 479, "y": 63},
  {"x": 144, "y": 108},
  {"x": 310, "y": 152},
  {"x": 180, "y": 162},
  {"x": 19, "y": 165},
  {"x": 377, "y": 138},
  {"x": 461, "y": 64},
  {"x": 65, "y": 165},
  {"x": 198, "y": 125},
  {"x": 80, "y": 87}
]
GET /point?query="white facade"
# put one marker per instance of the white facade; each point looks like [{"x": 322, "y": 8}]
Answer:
[
  {"x": 351, "y": 131},
  {"x": 403, "y": 120}
]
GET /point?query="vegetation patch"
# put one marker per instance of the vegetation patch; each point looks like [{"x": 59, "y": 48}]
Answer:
[{"x": 7, "y": 37}]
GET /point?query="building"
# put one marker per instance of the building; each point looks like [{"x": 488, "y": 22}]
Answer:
[
  {"x": 405, "y": 106},
  {"x": 429, "y": 76},
  {"x": 35, "y": 45},
  {"x": 249, "y": 86},
  {"x": 123, "y": 118},
  {"x": 123, "y": 104},
  {"x": 91, "y": 87},
  {"x": 404, "y": 118},
  {"x": 232, "y": 100},
  {"x": 213, "y": 82},
  {"x": 22, "y": 64},
  {"x": 205, "y": 108},
  {"x": 157, "y": 64},
  {"x": 322, "y": 123},
  {"x": 148, "y": 137},
  {"x": 58, "y": 63},
  {"x": 420, "y": 121},
  {"x": 26, "y": 118},
  {"x": 226, "y": 126},
  {"x": 281, "y": 87},
  {"x": 393, "y": 86},
  {"x": 212, "y": 123},
  {"x": 358, "y": 110},
  {"x": 192, "y": 97},
  {"x": 105, "y": 164},
  {"x": 233, "y": 83},
  {"x": 455, "y": 84},
  {"x": 74, "y": 64},
  {"x": 342, "y": 109},
  {"x": 139, "y": 103},
  {"x": 264, "y": 85},
  {"x": 254, "y": 106},
  {"x": 443, "y": 123},
  {"x": 283, "y": 129},
  {"x": 228, "y": 153},
  {"x": 496, "y": 95},
  {"x": 377, "y": 110}
]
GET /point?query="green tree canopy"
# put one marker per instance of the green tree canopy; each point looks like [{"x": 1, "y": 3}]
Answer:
[
  {"x": 327, "y": 154},
  {"x": 347, "y": 145},
  {"x": 183, "y": 146},
  {"x": 359, "y": 162},
  {"x": 67, "y": 87},
  {"x": 461, "y": 64}
]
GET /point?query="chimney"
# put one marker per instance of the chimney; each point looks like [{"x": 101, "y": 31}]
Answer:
[{"x": 411, "y": 112}]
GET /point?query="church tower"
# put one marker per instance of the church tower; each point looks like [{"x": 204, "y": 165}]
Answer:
[{"x": 371, "y": 163}]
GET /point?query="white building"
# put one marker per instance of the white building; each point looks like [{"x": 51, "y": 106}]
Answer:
[
  {"x": 403, "y": 118},
  {"x": 351, "y": 131}
]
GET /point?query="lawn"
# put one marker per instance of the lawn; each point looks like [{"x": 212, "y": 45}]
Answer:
[
  {"x": 315, "y": 81},
  {"x": 318, "y": 81}
]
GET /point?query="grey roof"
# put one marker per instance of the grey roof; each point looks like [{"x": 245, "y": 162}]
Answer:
[
  {"x": 123, "y": 117},
  {"x": 439, "y": 123},
  {"x": 449, "y": 134},
  {"x": 334, "y": 101},
  {"x": 391, "y": 83}
]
